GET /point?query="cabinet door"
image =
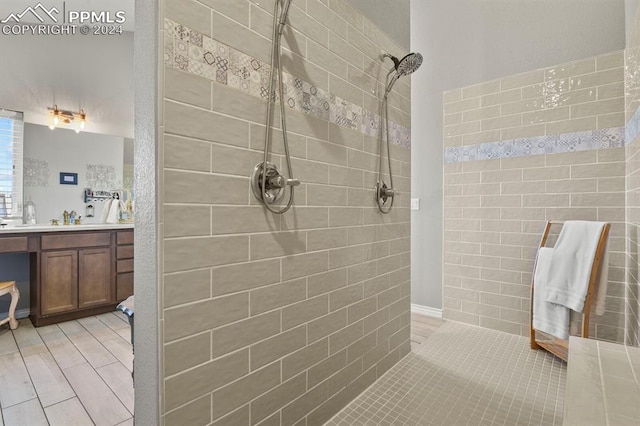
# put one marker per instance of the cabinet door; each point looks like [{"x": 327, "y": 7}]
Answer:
[
  {"x": 59, "y": 281},
  {"x": 124, "y": 286},
  {"x": 94, "y": 287}
]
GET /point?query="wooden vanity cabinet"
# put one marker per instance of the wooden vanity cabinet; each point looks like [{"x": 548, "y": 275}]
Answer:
[
  {"x": 79, "y": 274},
  {"x": 75, "y": 274},
  {"x": 124, "y": 265}
]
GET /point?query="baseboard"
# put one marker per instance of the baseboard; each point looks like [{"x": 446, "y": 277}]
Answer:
[
  {"x": 426, "y": 310},
  {"x": 22, "y": 313}
]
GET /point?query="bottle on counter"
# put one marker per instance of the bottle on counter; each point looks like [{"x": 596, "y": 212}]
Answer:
[{"x": 30, "y": 216}]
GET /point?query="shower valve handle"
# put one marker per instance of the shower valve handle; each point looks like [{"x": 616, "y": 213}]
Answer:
[{"x": 280, "y": 181}]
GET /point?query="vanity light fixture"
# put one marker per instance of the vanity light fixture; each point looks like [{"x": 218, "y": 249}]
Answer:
[{"x": 66, "y": 118}]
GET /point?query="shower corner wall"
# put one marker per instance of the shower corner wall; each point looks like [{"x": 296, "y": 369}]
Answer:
[
  {"x": 632, "y": 110},
  {"x": 542, "y": 145},
  {"x": 269, "y": 319}
]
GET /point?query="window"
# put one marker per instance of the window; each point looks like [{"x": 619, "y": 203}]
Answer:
[{"x": 11, "y": 151}]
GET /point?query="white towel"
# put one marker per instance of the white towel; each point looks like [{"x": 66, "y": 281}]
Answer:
[
  {"x": 115, "y": 208},
  {"x": 598, "y": 303},
  {"x": 105, "y": 210},
  {"x": 547, "y": 317},
  {"x": 571, "y": 263}
]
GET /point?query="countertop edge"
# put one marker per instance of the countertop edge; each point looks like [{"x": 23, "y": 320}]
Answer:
[{"x": 65, "y": 228}]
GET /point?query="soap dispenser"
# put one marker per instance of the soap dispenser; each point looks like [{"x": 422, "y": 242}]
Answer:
[{"x": 30, "y": 217}]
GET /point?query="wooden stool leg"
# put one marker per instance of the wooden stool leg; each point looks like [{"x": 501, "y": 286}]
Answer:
[{"x": 15, "y": 296}]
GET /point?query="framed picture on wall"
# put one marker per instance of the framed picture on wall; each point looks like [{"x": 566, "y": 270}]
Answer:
[{"x": 68, "y": 178}]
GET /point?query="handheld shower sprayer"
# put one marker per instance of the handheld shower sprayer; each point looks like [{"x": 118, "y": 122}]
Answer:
[
  {"x": 283, "y": 15},
  {"x": 405, "y": 66},
  {"x": 267, "y": 183},
  {"x": 385, "y": 194}
]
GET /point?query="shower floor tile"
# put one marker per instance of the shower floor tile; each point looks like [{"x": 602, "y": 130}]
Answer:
[{"x": 465, "y": 375}]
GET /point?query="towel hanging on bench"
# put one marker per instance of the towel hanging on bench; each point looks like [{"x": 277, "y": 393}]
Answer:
[
  {"x": 548, "y": 317},
  {"x": 562, "y": 275},
  {"x": 571, "y": 264}
]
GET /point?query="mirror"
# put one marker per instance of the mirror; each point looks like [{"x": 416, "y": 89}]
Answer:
[
  {"x": 59, "y": 164},
  {"x": 93, "y": 74}
]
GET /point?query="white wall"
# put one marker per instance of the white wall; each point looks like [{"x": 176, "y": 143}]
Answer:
[
  {"x": 470, "y": 41},
  {"x": 66, "y": 151},
  {"x": 94, "y": 73}
]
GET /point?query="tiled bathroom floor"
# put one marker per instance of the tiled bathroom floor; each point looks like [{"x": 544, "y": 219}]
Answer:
[
  {"x": 76, "y": 372},
  {"x": 464, "y": 375}
]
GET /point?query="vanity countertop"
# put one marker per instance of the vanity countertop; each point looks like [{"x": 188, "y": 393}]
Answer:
[{"x": 64, "y": 228}]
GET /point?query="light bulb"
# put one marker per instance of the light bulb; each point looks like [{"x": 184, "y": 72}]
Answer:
[
  {"x": 77, "y": 130},
  {"x": 82, "y": 124},
  {"x": 56, "y": 120},
  {"x": 52, "y": 127}
]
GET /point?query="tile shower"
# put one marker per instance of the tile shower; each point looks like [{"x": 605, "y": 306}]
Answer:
[
  {"x": 271, "y": 319},
  {"x": 550, "y": 144},
  {"x": 546, "y": 144}
]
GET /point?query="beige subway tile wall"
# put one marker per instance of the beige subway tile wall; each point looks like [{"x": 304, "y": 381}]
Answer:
[
  {"x": 579, "y": 96},
  {"x": 495, "y": 209},
  {"x": 267, "y": 319},
  {"x": 632, "y": 99}
]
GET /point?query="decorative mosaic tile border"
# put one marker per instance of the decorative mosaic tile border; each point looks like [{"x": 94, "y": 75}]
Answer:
[
  {"x": 190, "y": 51},
  {"x": 554, "y": 144}
]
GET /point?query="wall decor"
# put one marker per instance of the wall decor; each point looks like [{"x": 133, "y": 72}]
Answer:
[
  {"x": 36, "y": 172},
  {"x": 67, "y": 178},
  {"x": 101, "y": 176}
]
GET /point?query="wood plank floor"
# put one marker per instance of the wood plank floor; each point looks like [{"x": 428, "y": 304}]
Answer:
[
  {"x": 422, "y": 327},
  {"x": 72, "y": 373}
]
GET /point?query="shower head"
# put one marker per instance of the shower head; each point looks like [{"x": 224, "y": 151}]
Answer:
[
  {"x": 405, "y": 66},
  {"x": 409, "y": 64}
]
